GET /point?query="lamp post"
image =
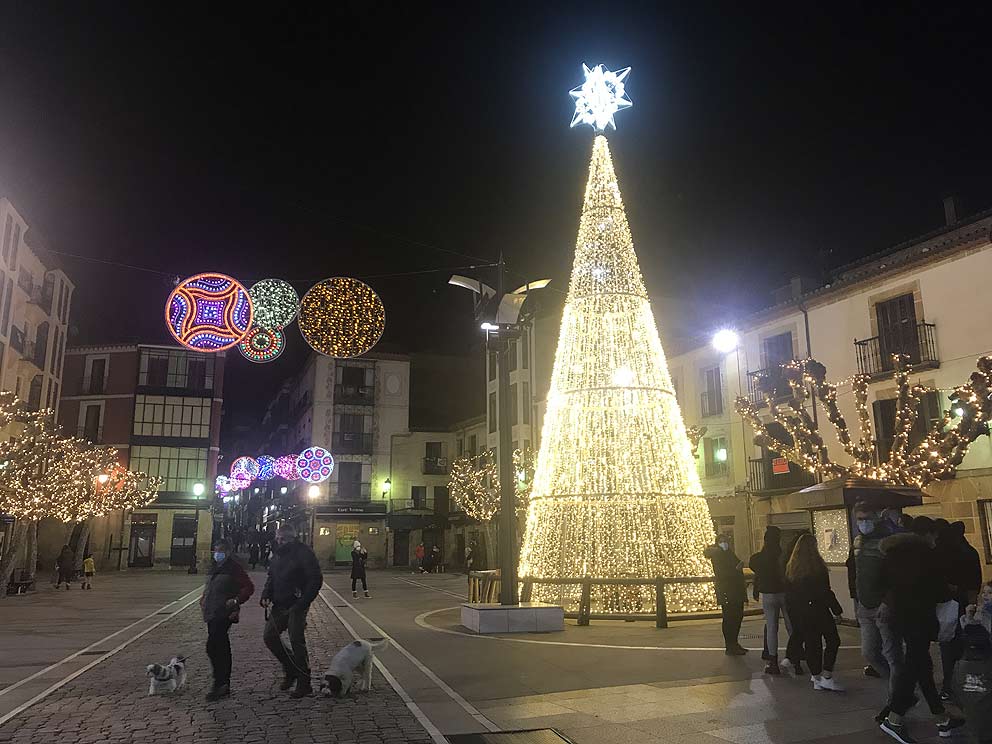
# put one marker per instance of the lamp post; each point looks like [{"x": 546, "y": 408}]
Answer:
[
  {"x": 313, "y": 493},
  {"x": 198, "y": 490},
  {"x": 387, "y": 486}
]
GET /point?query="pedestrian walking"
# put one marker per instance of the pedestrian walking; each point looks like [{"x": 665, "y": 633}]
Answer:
[
  {"x": 359, "y": 556},
  {"x": 769, "y": 587},
  {"x": 253, "y": 554},
  {"x": 436, "y": 558},
  {"x": 266, "y": 553},
  {"x": 913, "y": 587},
  {"x": 961, "y": 568},
  {"x": 66, "y": 563},
  {"x": 879, "y": 645},
  {"x": 89, "y": 571},
  {"x": 419, "y": 553},
  {"x": 226, "y": 589},
  {"x": 731, "y": 592},
  {"x": 812, "y": 602},
  {"x": 293, "y": 582}
]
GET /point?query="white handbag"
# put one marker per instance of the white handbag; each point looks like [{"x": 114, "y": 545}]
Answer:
[{"x": 947, "y": 617}]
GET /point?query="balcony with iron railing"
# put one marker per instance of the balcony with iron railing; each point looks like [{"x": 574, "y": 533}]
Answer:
[
  {"x": 354, "y": 395},
  {"x": 435, "y": 466},
  {"x": 419, "y": 505},
  {"x": 351, "y": 443},
  {"x": 919, "y": 344},
  {"x": 711, "y": 403},
  {"x": 762, "y": 478}
]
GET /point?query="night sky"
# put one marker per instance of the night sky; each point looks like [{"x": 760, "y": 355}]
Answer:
[{"x": 363, "y": 140}]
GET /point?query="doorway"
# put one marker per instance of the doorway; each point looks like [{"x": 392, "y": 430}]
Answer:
[
  {"x": 345, "y": 535},
  {"x": 401, "y": 548},
  {"x": 183, "y": 540},
  {"x": 141, "y": 553}
]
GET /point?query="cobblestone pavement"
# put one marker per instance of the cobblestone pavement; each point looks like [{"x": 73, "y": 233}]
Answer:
[{"x": 110, "y": 702}]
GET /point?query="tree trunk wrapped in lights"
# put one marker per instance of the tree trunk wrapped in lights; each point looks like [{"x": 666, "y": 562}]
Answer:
[{"x": 616, "y": 493}]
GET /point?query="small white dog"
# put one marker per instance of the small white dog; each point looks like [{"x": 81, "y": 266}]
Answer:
[
  {"x": 352, "y": 667},
  {"x": 166, "y": 677}
]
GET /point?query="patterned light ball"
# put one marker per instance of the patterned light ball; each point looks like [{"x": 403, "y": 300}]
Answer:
[
  {"x": 342, "y": 317},
  {"x": 245, "y": 467},
  {"x": 222, "y": 484},
  {"x": 276, "y": 303},
  {"x": 286, "y": 467},
  {"x": 209, "y": 312},
  {"x": 315, "y": 464},
  {"x": 261, "y": 345},
  {"x": 240, "y": 481},
  {"x": 266, "y": 467}
]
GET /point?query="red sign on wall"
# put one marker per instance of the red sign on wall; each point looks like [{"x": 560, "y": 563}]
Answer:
[{"x": 780, "y": 466}]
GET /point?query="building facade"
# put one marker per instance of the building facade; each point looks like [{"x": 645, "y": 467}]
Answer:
[{"x": 160, "y": 406}]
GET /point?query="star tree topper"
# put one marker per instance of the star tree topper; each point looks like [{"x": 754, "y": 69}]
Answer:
[{"x": 600, "y": 97}]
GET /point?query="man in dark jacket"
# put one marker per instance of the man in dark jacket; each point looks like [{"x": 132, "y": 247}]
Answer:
[
  {"x": 731, "y": 591},
  {"x": 769, "y": 586},
  {"x": 293, "y": 583},
  {"x": 913, "y": 586},
  {"x": 226, "y": 589},
  {"x": 878, "y": 643},
  {"x": 961, "y": 567}
]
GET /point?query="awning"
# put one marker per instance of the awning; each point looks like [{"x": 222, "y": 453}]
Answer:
[{"x": 850, "y": 491}]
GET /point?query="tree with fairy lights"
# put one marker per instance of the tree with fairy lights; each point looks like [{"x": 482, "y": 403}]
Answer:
[
  {"x": 935, "y": 457},
  {"x": 616, "y": 493}
]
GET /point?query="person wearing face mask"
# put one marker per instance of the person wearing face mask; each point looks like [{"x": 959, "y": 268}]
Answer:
[
  {"x": 359, "y": 556},
  {"x": 879, "y": 645},
  {"x": 227, "y": 588},
  {"x": 768, "y": 565},
  {"x": 731, "y": 591}
]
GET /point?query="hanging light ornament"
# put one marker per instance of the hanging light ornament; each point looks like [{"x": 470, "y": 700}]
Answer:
[
  {"x": 209, "y": 312},
  {"x": 266, "y": 467},
  {"x": 276, "y": 303},
  {"x": 261, "y": 345},
  {"x": 285, "y": 467},
  {"x": 245, "y": 467},
  {"x": 222, "y": 484},
  {"x": 240, "y": 482},
  {"x": 315, "y": 464},
  {"x": 342, "y": 317}
]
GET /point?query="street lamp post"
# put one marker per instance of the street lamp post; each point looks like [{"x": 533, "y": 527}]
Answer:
[
  {"x": 313, "y": 493},
  {"x": 198, "y": 491}
]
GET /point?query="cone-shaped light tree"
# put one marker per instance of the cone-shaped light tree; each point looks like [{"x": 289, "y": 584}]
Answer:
[{"x": 616, "y": 493}]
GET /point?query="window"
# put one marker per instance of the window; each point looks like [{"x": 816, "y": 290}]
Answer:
[
  {"x": 196, "y": 374},
  {"x": 712, "y": 395},
  {"x": 492, "y": 413},
  {"x": 460, "y": 446},
  {"x": 492, "y": 366},
  {"x": 6, "y": 305},
  {"x": 6, "y": 236},
  {"x": 91, "y": 423},
  {"x": 54, "y": 358},
  {"x": 511, "y": 356},
  {"x": 985, "y": 516},
  {"x": 897, "y": 329},
  {"x": 513, "y": 405},
  {"x": 58, "y": 364},
  {"x": 524, "y": 349},
  {"x": 34, "y": 394},
  {"x": 715, "y": 456},
  {"x": 157, "y": 372},
  {"x": 885, "y": 423},
  {"x": 777, "y": 350},
  {"x": 176, "y": 369},
  {"x": 526, "y": 403},
  {"x": 441, "y": 499},
  {"x": 93, "y": 383},
  {"x": 171, "y": 416},
  {"x": 349, "y": 480},
  {"x": 181, "y": 467},
  {"x": 526, "y": 445},
  {"x": 16, "y": 244},
  {"x": 473, "y": 446},
  {"x": 432, "y": 450},
  {"x": 419, "y": 496},
  {"x": 353, "y": 423},
  {"x": 353, "y": 376}
]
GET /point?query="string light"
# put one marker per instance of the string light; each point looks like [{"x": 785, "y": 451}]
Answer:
[
  {"x": 276, "y": 303},
  {"x": 208, "y": 312},
  {"x": 222, "y": 484},
  {"x": 285, "y": 467},
  {"x": 342, "y": 317},
  {"x": 474, "y": 484},
  {"x": 266, "y": 467},
  {"x": 315, "y": 464},
  {"x": 616, "y": 493},
  {"x": 261, "y": 345}
]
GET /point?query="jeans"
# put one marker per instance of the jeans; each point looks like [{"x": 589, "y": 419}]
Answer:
[
  {"x": 821, "y": 640},
  {"x": 917, "y": 669},
  {"x": 879, "y": 644},
  {"x": 295, "y": 621},
  {"x": 733, "y": 615},
  {"x": 773, "y": 606},
  {"x": 219, "y": 650}
]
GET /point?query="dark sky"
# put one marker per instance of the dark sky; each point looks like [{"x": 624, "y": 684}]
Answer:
[{"x": 362, "y": 140}]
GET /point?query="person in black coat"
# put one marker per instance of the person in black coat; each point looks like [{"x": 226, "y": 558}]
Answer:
[
  {"x": 253, "y": 553},
  {"x": 769, "y": 588},
  {"x": 226, "y": 589},
  {"x": 961, "y": 567},
  {"x": 359, "y": 557},
  {"x": 293, "y": 583},
  {"x": 812, "y": 603},
  {"x": 731, "y": 591}
]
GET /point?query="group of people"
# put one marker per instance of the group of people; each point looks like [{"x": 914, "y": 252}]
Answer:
[
  {"x": 914, "y": 581},
  {"x": 65, "y": 569},
  {"x": 427, "y": 561}
]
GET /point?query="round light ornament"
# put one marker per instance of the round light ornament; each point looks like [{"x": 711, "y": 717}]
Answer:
[
  {"x": 286, "y": 467},
  {"x": 315, "y": 464},
  {"x": 209, "y": 312},
  {"x": 276, "y": 303},
  {"x": 261, "y": 345},
  {"x": 222, "y": 484},
  {"x": 266, "y": 467},
  {"x": 342, "y": 317},
  {"x": 240, "y": 482},
  {"x": 245, "y": 467}
]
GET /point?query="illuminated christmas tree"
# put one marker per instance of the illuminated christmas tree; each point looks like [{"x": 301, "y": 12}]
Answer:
[{"x": 616, "y": 493}]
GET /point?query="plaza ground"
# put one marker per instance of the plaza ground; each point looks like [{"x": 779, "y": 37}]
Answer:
[{"x": 607, "y": 683}]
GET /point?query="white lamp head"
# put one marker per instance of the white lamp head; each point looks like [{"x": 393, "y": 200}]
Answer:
[{"x": 726, "y": 340}]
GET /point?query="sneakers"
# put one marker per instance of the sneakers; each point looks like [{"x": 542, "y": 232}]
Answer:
[
  {"x": 217, "y": 693},
  {"x": 827, "y": 683},
  {"x": 897, "y": 731},
  {"x": 882, "y": 714},
  {"x": 367, "y": 595},
  {"x": 288, "y": 681},
  {"x": 303, "y": 689},
  {"x": 945, "y": 697},
  {"x": 736, "y": 651},
  {"x": 354, "y": 595},
  {"x": 772, "y": 666},
  {"x": 871, "y": 671},
  {"x": 947, "y": 729}
]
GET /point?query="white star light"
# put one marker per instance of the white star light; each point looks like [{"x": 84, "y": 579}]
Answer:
[{"x": 600, "y": 97}]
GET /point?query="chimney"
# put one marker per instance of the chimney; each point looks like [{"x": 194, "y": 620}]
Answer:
[{"x": 950, "y": 210}]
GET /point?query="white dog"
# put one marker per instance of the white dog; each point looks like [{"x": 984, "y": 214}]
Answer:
[
  {"x": 166, "y": 677},
  {"x": 352, "y": 667}
]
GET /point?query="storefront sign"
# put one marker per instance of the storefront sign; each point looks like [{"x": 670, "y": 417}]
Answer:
[{"x": 368, "y": 508}]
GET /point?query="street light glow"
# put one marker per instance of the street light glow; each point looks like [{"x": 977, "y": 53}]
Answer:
[
  {"x": 283, "y": 490},
  {"x": 487, "y": 326},
  {"x": 387, "y": 485},
  {"x": 725, "y": 340},
  {"x": 314, "y": 491},
  {"x": 198, "y": 489}
]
